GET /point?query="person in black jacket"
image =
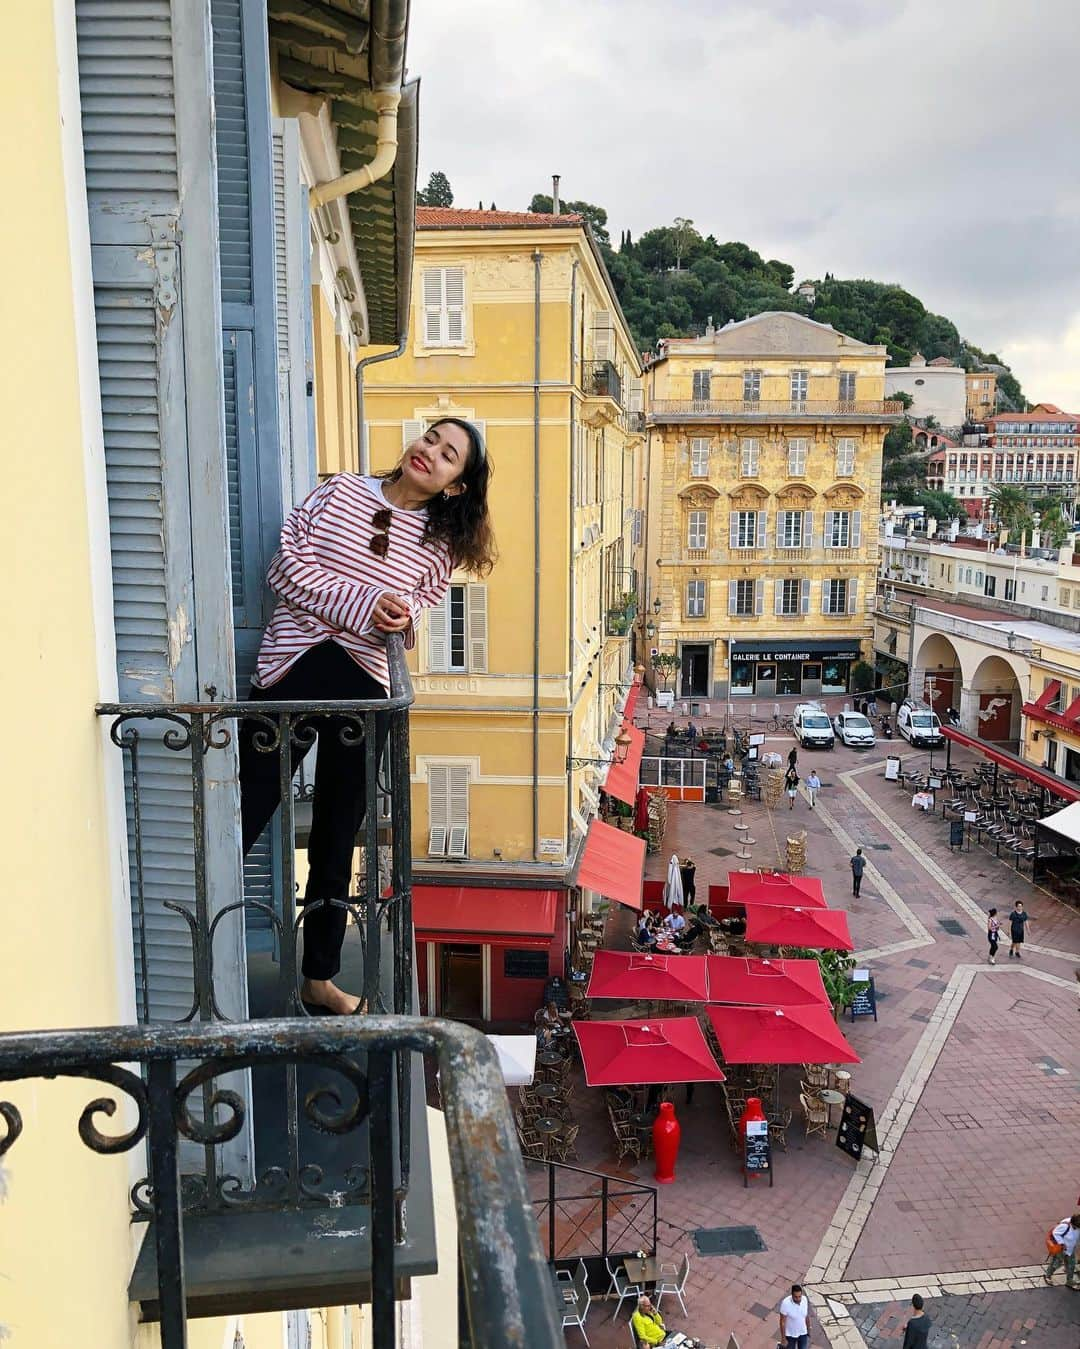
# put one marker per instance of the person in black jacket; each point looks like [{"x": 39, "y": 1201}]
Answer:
[
  {"x": 918, "y": 1328},
  {"x": 688, "y": 870}
]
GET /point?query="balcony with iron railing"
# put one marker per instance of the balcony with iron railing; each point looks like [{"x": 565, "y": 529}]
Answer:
[
  {"x": 666, "y": 410},
  {"x": 600, "y": 379},
  {"x": 286, "y": 1157}
]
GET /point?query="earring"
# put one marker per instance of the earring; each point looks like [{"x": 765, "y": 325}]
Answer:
[{"x": 446, "y": 496}]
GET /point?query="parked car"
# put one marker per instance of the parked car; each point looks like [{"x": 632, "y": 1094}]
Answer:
[
  {"x": 813, "y": 729},
  {"x": 854, "y": 729},
  {"x": 919, "y": 724}
]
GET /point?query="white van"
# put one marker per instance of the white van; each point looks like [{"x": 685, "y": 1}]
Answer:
[
  {"x": 918, "y": 723},
  {"x": 813, "y": 729}
]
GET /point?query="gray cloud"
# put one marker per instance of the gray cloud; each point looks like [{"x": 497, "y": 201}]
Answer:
[{"x": 929, "y": 144}]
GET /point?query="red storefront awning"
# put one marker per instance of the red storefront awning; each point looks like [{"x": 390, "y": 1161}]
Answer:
[
  {"x": 495, "y": 912},
  {"x": 780, "y": 1035},
  {"x": 613, "y": 863},
  {"x": 1040, "y": 710},
  {"x": 631, "y": 700},
  {"x": 622, "y": 778},
  {"x": 1039, "y": 776}
]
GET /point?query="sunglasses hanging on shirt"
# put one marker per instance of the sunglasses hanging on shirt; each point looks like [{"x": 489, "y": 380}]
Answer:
[{"x": 379, "y": 543}]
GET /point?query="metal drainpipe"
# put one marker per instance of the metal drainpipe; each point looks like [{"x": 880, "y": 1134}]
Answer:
[
  {"x": 537, "y": 259},
  {"x": 361, "y": 439},
  {"x": 571, "y": 607}
]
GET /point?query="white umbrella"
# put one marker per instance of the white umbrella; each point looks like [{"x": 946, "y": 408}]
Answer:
[
  {"x": 517, "y": 1058},
  {"x": 673, "y": 885}
]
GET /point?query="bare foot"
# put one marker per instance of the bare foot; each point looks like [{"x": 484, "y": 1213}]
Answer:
[{"x": 325, "y": 993}]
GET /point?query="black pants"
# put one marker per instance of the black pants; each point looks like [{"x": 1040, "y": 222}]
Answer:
[
  {"x": 856, "y": 881},
  {"x": 324, "y": 673}
]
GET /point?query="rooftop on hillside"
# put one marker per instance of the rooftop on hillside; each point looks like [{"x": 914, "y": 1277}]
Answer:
[{"x": 456, "y": 217}]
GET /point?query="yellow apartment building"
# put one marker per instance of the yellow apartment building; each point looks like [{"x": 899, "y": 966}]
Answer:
[
  {"x": 515, "y": 325},
  {"x": 171, "y": 377},
  {"x": 764, "y": 471},
  {"x": 981, "y": 394}
]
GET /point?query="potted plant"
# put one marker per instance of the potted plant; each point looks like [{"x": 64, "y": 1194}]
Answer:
[
  {"x": 665, "y": 663},
  {"x": 836, "y": 970},
  {"x": 617, "y": 622}
]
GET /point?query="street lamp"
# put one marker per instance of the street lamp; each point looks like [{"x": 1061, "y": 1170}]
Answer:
[{"x": 623, "y": 741}]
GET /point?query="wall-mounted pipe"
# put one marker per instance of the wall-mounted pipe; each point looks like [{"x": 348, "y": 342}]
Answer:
[
  {"x": 386, "y": 144},
  {"x": 537, "y": 258}
]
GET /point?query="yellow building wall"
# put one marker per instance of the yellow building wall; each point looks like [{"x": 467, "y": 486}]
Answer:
[
  {"x": 336, "y": 440},
  {"x": 66, "y": 1208},
  {"x": 459, "y": 717}
]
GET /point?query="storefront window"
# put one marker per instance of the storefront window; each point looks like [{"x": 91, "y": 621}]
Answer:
[
  {"x": 834, "y": 676},
  {"x": 789, "y": 677},
  {"x": 742, "y": 676}
]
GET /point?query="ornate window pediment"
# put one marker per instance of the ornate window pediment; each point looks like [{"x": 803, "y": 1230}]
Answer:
[
  {"x": 844, "y": 494},
  {"x": 748, "y": 494},
  {"x": 797, "y": 495},
  {"x": 698, "y": 495}
]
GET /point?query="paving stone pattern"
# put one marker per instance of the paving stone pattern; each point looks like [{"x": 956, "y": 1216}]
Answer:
[{"x": 1040, "y": 1319}]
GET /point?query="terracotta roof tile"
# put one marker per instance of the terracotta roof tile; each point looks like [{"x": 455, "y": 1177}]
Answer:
[{"x": 453, "y": 217}]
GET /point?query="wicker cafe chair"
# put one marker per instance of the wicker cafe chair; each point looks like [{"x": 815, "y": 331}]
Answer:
[
  {"x": 815, "y": 1075},
  {"x": 564, "y": 1145},
  {"x": 778, "y": 1127},
  {"x": 815, "y": 1115}
]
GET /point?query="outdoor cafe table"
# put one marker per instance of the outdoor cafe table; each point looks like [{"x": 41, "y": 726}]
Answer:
[
  {"x": 641, "y": 1271},
  {"x": 547, "y": 1091},
  {"x": 549, "y": 1059},
  {"x": 548, "y": 1127}
]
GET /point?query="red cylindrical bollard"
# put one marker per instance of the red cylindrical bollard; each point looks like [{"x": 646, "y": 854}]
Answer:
[{"x": 666, "y": 1133}]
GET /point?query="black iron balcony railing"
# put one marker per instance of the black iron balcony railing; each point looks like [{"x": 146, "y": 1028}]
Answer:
[
  {"x": 600, "y": 379},
  {"x": 157, "y": 1073},
  {"x": 667, "y": 409}
]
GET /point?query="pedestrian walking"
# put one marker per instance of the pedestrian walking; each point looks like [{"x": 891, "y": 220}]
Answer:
[
  {"x": 993, "y": 934},
  {"x": 1061, "y": 1242},
  {"x": 791, "y": 784},
  {"x": 688, "y": 870},
  {"x": 361, "y": 557},
  {"x": 793, "y": 757},
  {"x": 858, "y": 866},
  {"x": 813, "y": 786},
  {"x": 1018, "y": 920},
  {"x": 917, "y": 1330},
  {"x": 794, "y": 1313}
]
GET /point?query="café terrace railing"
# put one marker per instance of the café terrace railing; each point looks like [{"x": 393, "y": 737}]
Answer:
[{"x": 339, "y": 1075}]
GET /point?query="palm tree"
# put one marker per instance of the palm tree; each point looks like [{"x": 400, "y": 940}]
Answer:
[{"x": 1009, "y": 507}]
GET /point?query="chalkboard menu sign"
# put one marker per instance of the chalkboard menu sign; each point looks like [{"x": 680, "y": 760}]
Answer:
[
  {"x": 892, "y": 768},
  {"x": 956, "y": 833},
  {"x": 757, "y": 1156},
  {"x": 857, "y": 1128},
  {"x": 865, "y": 1001}
]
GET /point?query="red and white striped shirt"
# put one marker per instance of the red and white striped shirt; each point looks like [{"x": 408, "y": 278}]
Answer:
[{"x": 328, "y": 580}]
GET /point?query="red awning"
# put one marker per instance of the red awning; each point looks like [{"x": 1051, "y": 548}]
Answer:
[
  {"x": 765, "y": 983},
  {"x": 1039, "y": 776},
  {"x": 633, "y": 1053},
  {"x": 645, "y": 977},
  {"x": 780, "y": 1035},
  {"x": 622, "y": 778},
  {"x": 1048, "y": 694},
  {"x": 613, "y": 863},
  {"x": 751, "y": 887},
  {"x": 814, "y": 929},
  {"x": 631, "y": 700},
  {"x": 515, "y": 913}
]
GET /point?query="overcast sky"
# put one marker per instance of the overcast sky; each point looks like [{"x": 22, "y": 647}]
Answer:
[{"x": 934, "y": 143}]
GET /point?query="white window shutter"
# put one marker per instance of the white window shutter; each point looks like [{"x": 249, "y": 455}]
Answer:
[
  {"x": 603, "y": 336},
  {"x": 804, "y": 596},
  {"x": 732, "y": 596},
  {"x": 733, "y": 522},
  {"x": 759, "y": 596},
  {"x": 438, "y": 626},
  {"x": 478, "y": 629},
  {"x": 808, "y": 529},
  {"x": 438, "y": 796},
  {"x": 830, "y": 516},
  {"x": 454, "y": 290},
  {"x": 825, "y": 598},
  {"x": 778, "y": 597},
  {"x": 852, "y": 596},
  {"x": 856, "y": 528},
  {"x": 432, "y": 287},
  {"x": 411, "y": 430},
  {"x": 762, "y": 528},
  {"x": 458, "y": 799}
]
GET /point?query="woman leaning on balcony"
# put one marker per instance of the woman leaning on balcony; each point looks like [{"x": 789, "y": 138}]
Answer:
[{"x": 361, "y": 557}]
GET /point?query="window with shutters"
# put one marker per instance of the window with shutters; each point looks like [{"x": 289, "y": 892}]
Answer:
[
  {"x": 695, "y": 599},
  {"x": 749, "y": 456},
  {"x": 744, "y": 529},
  {"x": 702, "y": 385},
  {"x": 834, "y": 596},
  {"x": 846, "y": 386},
  {"x": 699, "y": 457},
  {"x": 448, "y": 810},
  {"x": 797, "y": 451},
  {"x": 788, "y": 594},
  {"x": 443, "y": 294},
  {"x": 742, "y": 598},
  {"x": 789, "y": 533},
  {"x": 845, "y": 456},
  {"x": 800, "y": 386},
  {"x": 751, "y": 386},
  {"x": 697, "y": 531},
  {"x": 838, "y": 529},
  {"x": 457, "y": 631}
]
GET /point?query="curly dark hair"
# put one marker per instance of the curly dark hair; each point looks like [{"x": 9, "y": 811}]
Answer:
[{"x": 462, "y": 523}]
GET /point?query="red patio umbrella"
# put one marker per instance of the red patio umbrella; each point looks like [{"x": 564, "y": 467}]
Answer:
[
  {"x": 636, "y": 1053},
  {"x": 764, "y": 983},
  {"x": 780, "y": 1035},
  {"x": 815, "y": 929},
  {"x": 629, "y": 976},
  {"x": 775, "y": 887}
]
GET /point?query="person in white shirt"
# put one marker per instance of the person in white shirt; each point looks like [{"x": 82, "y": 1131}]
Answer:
[
  {"x": 1067, "y": 1236},
  {"x": 675, "y": 922},
  {"x": 794, "y": 1311},
  {"x": 813, "y": 786}
]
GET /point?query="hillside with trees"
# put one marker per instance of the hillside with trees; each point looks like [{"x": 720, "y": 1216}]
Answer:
[{"x": 673, "y": 280}]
